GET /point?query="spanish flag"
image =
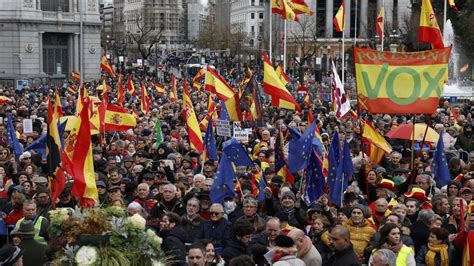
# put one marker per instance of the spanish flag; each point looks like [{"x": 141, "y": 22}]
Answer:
[
  {"x": 131, "y": 87},
  {"x": 273, "y": 86},
  {"x": 282, "y": 75},
  {"x": 57, "y": 105},
  {"x": 159, "y": 88},
  {"x": 452, "y": 4},
  {"x": 56, "y": 176},
  {"x": 71, "y": 89},
  {"x": 378, "y": 146},
  {"x": 379, "y": 24},
  {"x": 300, "y": 7},
  {"x": 233, "y": 107},
  {"x": 118, "y": 119},
  {"x": 194, "y": 133},
  {"x": 217, "y": 85},
  {"x": 76, "y": 76},
  {"x": 340, "y": 20},
  {"x": 196, "y": 80},
  {"x": 283, "y": 8},
  {"x": 174, "y": 90},
  {"x": 145, "y": 101},
  {"x": 83, "y": 95},
  {"x": 120, "y": 92},
  {"x": 84, "y": 185},
  {"x": 104, "y": 64},
  {"x": 211, "y": 113},
  {"x": 429, "y": 29}
]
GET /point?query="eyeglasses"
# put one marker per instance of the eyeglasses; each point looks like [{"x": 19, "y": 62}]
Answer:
[
  {"x": 250, "y": 207},
  {"x": 215, "y": 213},
  {"x": 27, "y": 158}
]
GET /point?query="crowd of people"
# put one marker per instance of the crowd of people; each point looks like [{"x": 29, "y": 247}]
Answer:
[{"x": 393, "y": 213}]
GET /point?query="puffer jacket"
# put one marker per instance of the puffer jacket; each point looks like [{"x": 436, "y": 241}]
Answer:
[{"x": 360, "y": 236}]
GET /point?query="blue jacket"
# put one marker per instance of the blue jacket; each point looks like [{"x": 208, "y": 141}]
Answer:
[{"x": 220, "y": 232}]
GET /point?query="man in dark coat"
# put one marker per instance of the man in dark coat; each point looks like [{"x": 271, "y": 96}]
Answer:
[
  {"x": 420, "y": 230},
  {"x": 34, "y": 253},
  {"x": 264, "y": 241},
  {"x": 344, "y": 254},
  {"x": 174, "y": 240},
  {"x": 239, "y": 243},
  {"x": 168, "y": 203},
  {"x": 217, "y": 229}
]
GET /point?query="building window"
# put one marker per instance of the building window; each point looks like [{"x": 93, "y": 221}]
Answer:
[
  {"x": 252, "y": 15},
  {"x": 260, "y": 15},
  {"x": 55, "y": 51},
  {"x": 55, "y": 5},
  {"x": 252, "y": 3}
]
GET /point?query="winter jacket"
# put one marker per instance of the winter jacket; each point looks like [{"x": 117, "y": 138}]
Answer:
[
  {"x": 160, "y": 208},
  {"x": 174, "y": 244},
  {"x": 191, "y": 226},
  {"x": 346, "y": 257},
  {"x": 234, "y": 249},
  {"x": 419, "y": 233},
  {"x": 259, "y": 247},
  {"x": 360, "y": 236},
  {"x": 290, "y": 260},
  {"x": 420, "y": 256},
  {"x": 220, "y": 232},
  {"x": 34, "y": 253},
  {"x": 312, "y": 258}
]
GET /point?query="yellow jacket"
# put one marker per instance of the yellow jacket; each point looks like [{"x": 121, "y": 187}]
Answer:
[{"x": 360, "y": 236}]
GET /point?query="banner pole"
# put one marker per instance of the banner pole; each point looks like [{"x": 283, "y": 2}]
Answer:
[
  {"x": 270, "y": 29},
  {"x": 355, "y": 25},
  {"x": 284, "y": 46},
  {"x": 383, "y": 22},
  {"x": 343, "y": 60}
]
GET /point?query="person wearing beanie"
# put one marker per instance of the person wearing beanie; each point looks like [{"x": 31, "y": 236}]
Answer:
[
  {"x": 11, "y": 256},
  {"x": 285, "y": 252},
  {"x": 290, "y": 206},
  {"x": 361, "y": 231},
  {"x": 343, "y": 215}
]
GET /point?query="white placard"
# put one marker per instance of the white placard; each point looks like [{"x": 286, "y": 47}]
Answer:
[
  {"x": 27, "y": 126},
  {"x": 223, "y": 128}
]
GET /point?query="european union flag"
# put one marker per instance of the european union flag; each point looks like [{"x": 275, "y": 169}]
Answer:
[
  {"x": 39, "y": 145},
  {"x": 223, "y": 186},
  {"x": 237, "y": 154},
  {"x": 340, "y": 168},
  {"x": 279, "y": 156},
  {"x": 299, "y": 150},
  {"x": 439, "y": 166},
  {"x": 224, "y": 115},
  {"x": 12, "y": 141},
  {"x": 210, "y": 142},
  {"x": 261, "y": 188},
  {"x": 314, "y": 178}
]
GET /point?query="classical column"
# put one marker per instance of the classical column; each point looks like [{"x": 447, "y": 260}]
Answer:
[
  {"x": 70, "y": 52},
  {"x": 363, "y": 19},
  {"x": 40, "y": 51},
  {"x": 75, "y": 59},
  {"x": 347, "y": 31},
  {"x": 329, "y": 17}
]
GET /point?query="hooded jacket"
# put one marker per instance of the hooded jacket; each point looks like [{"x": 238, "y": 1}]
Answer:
[{"x": 360, "y": 235}]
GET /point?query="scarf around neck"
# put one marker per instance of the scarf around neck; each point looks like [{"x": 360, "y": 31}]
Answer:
[
  {"x": 305, "y": 247},
  {"x": 395, "y": 248},
  {"x": 442, "y": 249}
]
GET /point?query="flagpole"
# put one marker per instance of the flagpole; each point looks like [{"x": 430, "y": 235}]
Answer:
[
  {"x": 444, "y": 18},
  {"x": 383, "y": 21},
  {"x": 342, "y": 187},
  {"x": 270, "y": 29},
  {"x": 343, "y": 61},
  {"x": 355, "y": 26},
  {"x": 284, "y": 46}
]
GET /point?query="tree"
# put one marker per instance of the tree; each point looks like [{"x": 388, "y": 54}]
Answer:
[
  {"x": 304, "y": 36},
  {"x": 215, "y": 37},
  {"x": 145, "y": 37}
]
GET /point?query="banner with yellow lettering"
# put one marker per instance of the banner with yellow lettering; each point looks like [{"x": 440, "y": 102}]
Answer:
[{"x": 400, "y": 83}]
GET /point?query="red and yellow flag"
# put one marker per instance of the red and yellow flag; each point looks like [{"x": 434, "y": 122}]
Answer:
[
  {"x": 300, "y": 7},
  {"x": 76, "y": 76},
  {"x": 84, "y": 185},
  {"x": 273, "y": 86},
  {"x": 217, "y": 85},
  {"x": 464, "y": 68},
  {"x": 379, "y": 23},
  {"x": 429, "y": 28},
  {"x": 131, "y": 87},
  {"x": 145, "y": 101},
  {"x": 196, "y": 80},
  {"x": 57, "y": 105},
  {"x": 118, "y": 119},
  {"x": 340, "y": 18},
  {"x": 282, "y": 75},
  {"x": 159, "y": 88},
  {"x": 104, "y": 64},
  {"x": 377, "y": 143},
  {"x": 211, "y": 113},
  {"x": 174, "y": 90},
  {"x": 452, "y": 4},
  {"x": 233, "y": 107},
  {"x": 120, "y": 91},
  {"x": 401, "y": 83},
  {"x": 194, "y": 133},
  {"x": 283, "y": 8}
]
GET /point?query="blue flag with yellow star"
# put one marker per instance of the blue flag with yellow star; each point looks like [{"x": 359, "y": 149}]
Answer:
[
  {"x": 340, "y": 167},
  {"x": 299, "y": 149},
  {"x": 314, "y": 178},
  {"x": 261, "y": 187},
  {"x": 223, "y": 186},
  {"x": 39, "y": 145},
  {"x": 12, "y": 140},
  {"x": 439, "y": 166},
  {"x": 236, "y": 153},
  {"x": 210, "y": 142}
]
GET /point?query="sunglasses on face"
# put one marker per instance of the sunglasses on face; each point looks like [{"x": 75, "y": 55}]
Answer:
[{"x": 215, "y": 213}]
